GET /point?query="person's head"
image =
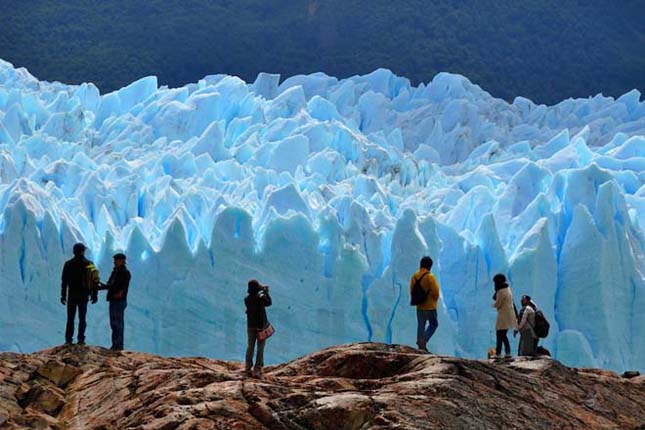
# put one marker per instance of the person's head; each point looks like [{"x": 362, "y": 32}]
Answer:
[
  {"x": 254, "y": 286},
  {"x": 79, "y": 250},
  {"x": 426, "y": 263},
  {"x": 500, "y": 281},
  {"x": 528, "y": 301},
  {"x": 119, "y": 259}
]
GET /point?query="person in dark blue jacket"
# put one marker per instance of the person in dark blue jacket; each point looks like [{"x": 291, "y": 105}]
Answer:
[
  {"x": 256, "y": 301},
  {"x": 117, "y": 296}
]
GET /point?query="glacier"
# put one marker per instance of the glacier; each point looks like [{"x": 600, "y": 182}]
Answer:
[{"x": 328, "y": 190}]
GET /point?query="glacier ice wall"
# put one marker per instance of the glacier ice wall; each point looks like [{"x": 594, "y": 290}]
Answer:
[{"x": 329, "y": 191}]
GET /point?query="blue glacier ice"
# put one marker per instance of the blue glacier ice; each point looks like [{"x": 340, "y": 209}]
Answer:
[{"x": 329, "y": 191}]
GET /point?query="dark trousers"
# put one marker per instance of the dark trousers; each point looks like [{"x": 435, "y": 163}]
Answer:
[
  {"x": 252, "y": 334},
  {"x": 72, "y": 305},
  {"x": 502, "y": 337},
  {"x": 117, "y": 311},
  {"x": 536, "y": 341},
  {"x": 427, "y": 324}
]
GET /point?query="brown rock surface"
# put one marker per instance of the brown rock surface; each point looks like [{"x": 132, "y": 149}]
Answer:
[{"x": 350, "y": 387}]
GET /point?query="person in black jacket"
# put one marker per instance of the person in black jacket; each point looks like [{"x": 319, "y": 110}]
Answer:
[
  {"x": 74, "y": 293},
  {"x": 117, "y": 296},
  {"x": 256, "y": 320}
]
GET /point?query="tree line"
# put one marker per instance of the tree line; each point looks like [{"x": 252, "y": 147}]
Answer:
[{"x": 546, "y": 50}]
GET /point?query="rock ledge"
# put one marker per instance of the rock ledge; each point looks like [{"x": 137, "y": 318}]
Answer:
[{"x": 348, "y": 387}]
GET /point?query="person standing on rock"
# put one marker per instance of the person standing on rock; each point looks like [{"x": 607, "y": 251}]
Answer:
[
  {"x": 424, "y": 292},
  {"x": 506, "y": 317},
  {"x": 78, "y": 283},
  {"x": 526, "y": 329},
  {"x": 117, "y": 296},
  {"x": 258, "y": 326}
]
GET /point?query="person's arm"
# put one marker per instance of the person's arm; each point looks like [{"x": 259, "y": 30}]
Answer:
[
  {"x": 63, "y": 284},
  {"x": 104, "y": 285},
  {"x": 524, "y": 319},
  {"x": 499, "y": 300},
  {"x": 412, "y": 281},
  {"x": 432, "y": 286},
  {"x": 266, "y": 298}
]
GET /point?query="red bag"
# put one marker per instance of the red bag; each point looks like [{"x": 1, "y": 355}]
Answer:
[{"x": 266, "y": 332}]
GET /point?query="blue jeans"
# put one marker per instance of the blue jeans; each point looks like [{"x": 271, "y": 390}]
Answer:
[
  {"x": 117, "y": 311},
  {"x": 252, "y": 334},
  {"x": 425, "y": 333}
]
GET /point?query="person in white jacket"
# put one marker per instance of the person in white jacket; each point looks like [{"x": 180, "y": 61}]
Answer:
[
  {"x": 526, "y": 327},
  {"x": 506, "y": 318}
]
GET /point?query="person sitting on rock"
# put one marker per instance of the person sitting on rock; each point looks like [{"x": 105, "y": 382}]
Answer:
[
  {"x": 424, "y": 290},
  {"x": 257, "y": 323},
  {"x": 76, "y": 290},
  {"x": 117, "y": 296},
  {"x": 506, "y": 318},
  {"x": 526, "y": 328}
]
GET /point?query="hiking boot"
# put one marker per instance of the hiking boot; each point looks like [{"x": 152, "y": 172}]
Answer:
[
  {"x": 508, "y": 356},
  {"x": 248, "y": 373},
  {"x": 68, "y": 343},
  {"x": 80, "y": 343},
  {"x": 257, "y": 373}
]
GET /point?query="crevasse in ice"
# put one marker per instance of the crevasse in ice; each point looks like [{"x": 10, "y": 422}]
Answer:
[{"x": 329, "y": 191}]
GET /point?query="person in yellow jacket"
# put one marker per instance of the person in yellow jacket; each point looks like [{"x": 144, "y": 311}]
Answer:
[{"x": 427, "y": 322}]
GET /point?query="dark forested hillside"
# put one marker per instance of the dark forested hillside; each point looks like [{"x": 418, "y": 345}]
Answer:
[{"x": 546, "y": 50}]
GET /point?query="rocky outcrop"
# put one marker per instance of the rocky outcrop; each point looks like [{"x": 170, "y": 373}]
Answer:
[{"x": 350, "y": 387}]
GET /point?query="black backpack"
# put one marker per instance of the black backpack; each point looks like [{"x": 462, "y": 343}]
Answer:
[
  {"x": 540, "y": 350},
  {"x": 542, "y": 326},
  {"x": 418, "y": 295}
]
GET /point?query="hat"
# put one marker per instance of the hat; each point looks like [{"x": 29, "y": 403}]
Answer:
[{"x": 119, "y": 256}]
